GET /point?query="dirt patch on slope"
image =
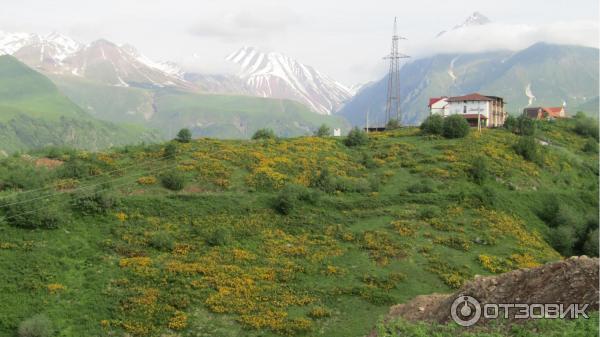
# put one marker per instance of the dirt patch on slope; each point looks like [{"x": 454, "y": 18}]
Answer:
[
  {"x": 48, "y": 163},
  {"x": 571, "y": 281}
]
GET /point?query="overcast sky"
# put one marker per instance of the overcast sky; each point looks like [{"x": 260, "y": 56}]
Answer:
[{"x": 343, "y": 39}]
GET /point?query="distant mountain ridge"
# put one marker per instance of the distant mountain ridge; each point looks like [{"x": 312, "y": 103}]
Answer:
[
  {"x": 543, "y": 74},
  {"x": 279, "y": 76},
  {"x": 34, "y": 113},
  {"x": 101, "y": 61}
]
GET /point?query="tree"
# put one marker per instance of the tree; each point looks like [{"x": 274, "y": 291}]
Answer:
[
  {"x": 323, "y": 131},
  {"x": 264, "y": 134},
  {"x": 586, "y": 127},
  {"x": 525, "y": 126},
  {"x": 433, "y": 125},
  {"x": 528, "y": 148},
  {"x": 392, "y": 124},
  {"x": 184, "y": 136},
  {"x": 356, "y": 137},
  {"x": 510, "y": 124},
  {"x": 455, "y": 126}
]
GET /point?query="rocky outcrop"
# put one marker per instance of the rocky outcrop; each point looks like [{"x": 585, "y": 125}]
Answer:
[{"x": 571, "y": 281}]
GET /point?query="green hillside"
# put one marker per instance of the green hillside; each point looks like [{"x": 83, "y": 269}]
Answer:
[
  {"x": 25, "y": 91},
  {"x": 292, "y": 237},
  {"x": 33, "y": 113},
  {"x": 221, "y": 116}
]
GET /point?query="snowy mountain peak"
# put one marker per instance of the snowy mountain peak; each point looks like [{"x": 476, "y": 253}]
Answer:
[
  {"x": 475, "y": 19},
  {"x": 59, "y": 54},
  {"x": 277, "y": 75}
]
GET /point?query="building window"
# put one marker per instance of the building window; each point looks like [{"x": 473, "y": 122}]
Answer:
[{"x": 465, "y": 109}]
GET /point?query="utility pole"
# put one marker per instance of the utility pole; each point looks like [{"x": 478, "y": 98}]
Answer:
[
  {"x": 367, "y": 120},
  {"x": 392, "y": 108}
]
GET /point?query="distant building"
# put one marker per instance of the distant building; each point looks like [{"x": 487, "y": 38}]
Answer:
[
  {"x": 374, "y": 129},
  {"x": 545, "y": 112},
  {"x": 475, "y": 108},
  {"x": 438, "y": 106},
  {"x": 337, "y": 132}
]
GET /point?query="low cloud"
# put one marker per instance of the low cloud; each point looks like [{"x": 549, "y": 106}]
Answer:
[
  {"x": 497, "y": 36},
  {"x": 246, "y": 24}
]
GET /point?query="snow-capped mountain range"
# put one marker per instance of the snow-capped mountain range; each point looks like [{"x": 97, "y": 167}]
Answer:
[
  {"x": 261, "y": 74},
  {"x": 101, "y": 60},
  {"x": 277, "y": 75}
]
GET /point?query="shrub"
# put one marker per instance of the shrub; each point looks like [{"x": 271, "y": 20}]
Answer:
[
  {"x": 323, "y": 181},
  {"x": 511, "y": 124},
  {"x": 528, "y": 148},
  {"x": 291, "y": 195},
  {"x": 21, "y": 176},
  {"x": 525, "y": 126},
  {"x": 98, "y": 202},
  {"x": 590, "y": 146},
  {"x": 485, "y": 197},
  {"x": 392, "y": 124},
  {"x": 563, "y": 240},
  {"x": 356, "y": 137},
  {"x": 424, "y": 186},
  {"x": 170, "y": 150},
  {"x": 478, "y": 172},
  {"x": 549, "y": 210},
  {"x": 433, "y": 125},
  {"x": 219, "y": 237},
  {"x": 184, "y": 136},
  {"x": 162, "y": 240},
  {"x": 349, "y": 184},
  {"x": 75, "y": 168},
  {"x": 429, "y": 213},
  {"x": 455, "y": 126},
  {"x": 586, "y": 127},
  {"x": 36, "y": 326},
  {"x": 323, "y": 131},
  {"x": 40, "y": 213},
  {"x": 590, "y": 247},
  {"x": 264, "y": 134},
  {"x": 173, "y": 181}
]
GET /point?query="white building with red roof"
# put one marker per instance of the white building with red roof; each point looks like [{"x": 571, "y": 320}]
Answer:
[{"x": 477, "y": 109}]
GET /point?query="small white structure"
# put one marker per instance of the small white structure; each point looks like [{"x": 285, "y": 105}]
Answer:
[
  {"x": 438, "y": 106},
  {"x": 475, "y": 108},
  {"x": 337, "y": 132}
]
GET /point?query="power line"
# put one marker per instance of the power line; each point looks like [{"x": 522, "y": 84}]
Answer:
[
  {"x": 103, "y": 173},
  {"x": 53, "y": 194},
  {"x": 71, "y": 203}
]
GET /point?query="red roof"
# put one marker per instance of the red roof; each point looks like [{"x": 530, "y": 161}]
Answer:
[
  {"x": 473, "y": 116},
  {"x": 470, "y": 97},
  {"x": 554, "y": 111},
  {"x": 434, "y": 100}
]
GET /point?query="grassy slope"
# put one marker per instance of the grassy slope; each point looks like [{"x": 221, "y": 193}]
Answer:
[
  {"x": 25, "y": 91},
  {"x": 33, "y": 113},
  {"x": 223, "y": 116},
  {"x": 230, "y": 263}
]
